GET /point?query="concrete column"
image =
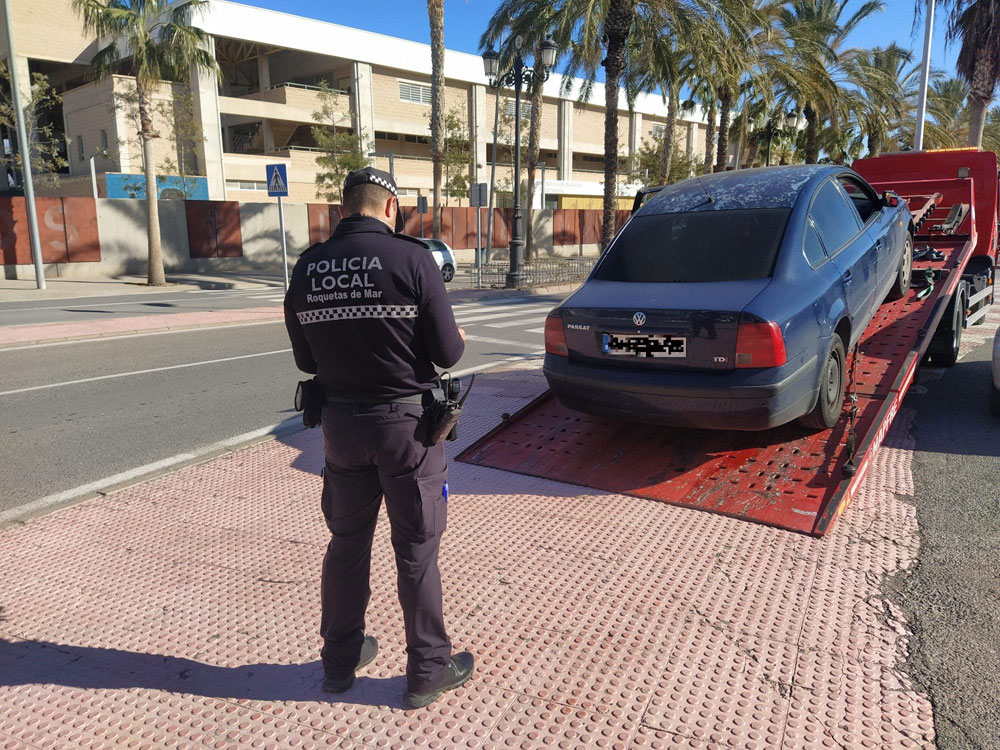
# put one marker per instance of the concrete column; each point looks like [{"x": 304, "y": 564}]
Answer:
[
  {"x": 362, "y": 106},
  {"x": 481, "y": 125},
  {"x": 263, "y": 72},
  {"x": 565, "y": 139},
  {"x": 122, "y": 134},
  {"x": 635, "y": 136},
  {"x": 267, "y": 135},
  {"x": 691, "y": 130},
  {"x": 205, "y": 95}
]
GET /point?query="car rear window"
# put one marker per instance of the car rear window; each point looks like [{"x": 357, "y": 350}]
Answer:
[{"x": 695, "y": 247}]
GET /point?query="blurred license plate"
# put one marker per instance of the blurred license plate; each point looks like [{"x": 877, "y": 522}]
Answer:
[{"x": 644, "y": 345}]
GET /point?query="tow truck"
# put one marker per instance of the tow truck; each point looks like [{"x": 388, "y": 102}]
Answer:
[{"x": 787, "y": 477}]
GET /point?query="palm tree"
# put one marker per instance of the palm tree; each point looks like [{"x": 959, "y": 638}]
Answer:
[
  {"x": 435, "y": 12},
  {"x": 978, "y": 58},
  {"x": 154, "y": 40},
  {"x": 880, "y": 75}
]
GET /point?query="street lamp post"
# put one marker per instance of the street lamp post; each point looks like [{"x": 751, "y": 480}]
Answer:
[
  {"x": 519, "y": 75},
  {"x": 771, "y": 130}
]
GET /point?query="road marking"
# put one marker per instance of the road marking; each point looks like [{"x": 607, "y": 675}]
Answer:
[
  {"x": 488, "y": 365},
  {"x": 501, "y": 342},
  {"x": 93, "y": 339},
  {"x": 140, "y": 471},
  {"x": 533, "y": 317},
  {"x": 526, "y": 310},
  {"x": 535, "y": 330},
  {"x": 141, "y": 372}
]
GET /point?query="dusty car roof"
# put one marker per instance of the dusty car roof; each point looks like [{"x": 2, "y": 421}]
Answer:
[{"x": 769, "y": 187}]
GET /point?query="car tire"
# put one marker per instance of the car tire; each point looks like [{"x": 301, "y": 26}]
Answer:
[
  {"x": 901, "y": 285},
  {"x": 447, "y": 272},
  {"x": 830, "y": 399},
  {"x": 995, "y": 400},
  {"x": 947, "y": 340}
]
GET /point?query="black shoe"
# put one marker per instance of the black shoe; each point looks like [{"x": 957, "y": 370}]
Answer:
[
  {"x": 369, "y": 650},
  {"x": 456, "y": 674}
]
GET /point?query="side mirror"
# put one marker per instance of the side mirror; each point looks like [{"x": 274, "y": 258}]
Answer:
[{"x": 890, "y": 199}]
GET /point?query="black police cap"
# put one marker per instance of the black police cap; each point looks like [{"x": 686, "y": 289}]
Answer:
[{"x": 370, "y": 176}]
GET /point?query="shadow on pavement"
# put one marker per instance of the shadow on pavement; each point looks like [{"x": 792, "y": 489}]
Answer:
[{"x": 36, "y": 662}]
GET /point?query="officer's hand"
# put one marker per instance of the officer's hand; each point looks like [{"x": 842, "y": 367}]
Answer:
[{"x": 461, "y": 332}]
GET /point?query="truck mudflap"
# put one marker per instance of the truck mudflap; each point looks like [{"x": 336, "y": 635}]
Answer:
[{"x": 786, "y": 477}]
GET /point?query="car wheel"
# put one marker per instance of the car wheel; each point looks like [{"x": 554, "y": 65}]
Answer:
[
  {"x": 448, "y": 272},
  {"x": 948, "y": 339},
  {"x": 830, "y": 401},
  {"x": 902, "y": 283}
]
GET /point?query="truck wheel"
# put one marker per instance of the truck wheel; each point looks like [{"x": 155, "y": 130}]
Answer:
[
  {"x": 901, "y": 285},
  {"x": 948, "y": 339},
  {"x": 995, "y": 400},
  {"x": 830, "y": 401}
]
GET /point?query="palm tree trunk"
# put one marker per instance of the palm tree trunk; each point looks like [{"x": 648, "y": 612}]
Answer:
[
  {"x": 874, "y": 144},
  {"x": 812, "y": 135},
  {"x": 725, "y": 106},
  {"x": 616, "y": 27},
  {"x": 977, "y": 120},
  {"x": 534, "y": 137},
  {"x": 667, "y": 152},
  {"x": 710, "y": 138},
  {"x": 435, "y": 13},
  {"x": 154, "y": 272}
]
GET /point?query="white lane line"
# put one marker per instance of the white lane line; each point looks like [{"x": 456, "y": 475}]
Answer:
[
  {"x": 140, "y": 471},
  {"x": 502, "y": 342},
  {"x": 520, "y": 322},
  {"x": 487, "y": 366},
  {"x": 141, "y": 372},
  {"x": 98, "y": 339},
  {"x": 493, "y": 316},
  {"x": 536, "y": 330}
]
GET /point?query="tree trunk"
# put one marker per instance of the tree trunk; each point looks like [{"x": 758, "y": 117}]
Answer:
[
  {"x": 154, "y": 272},
  {"x": 435, "y": 13},
  {"x": 621, "y": 13},
  {"x": 977, "y": 120},
  {"x": 725, "y": 108},
  {"x": 812, "y": 135},
  {"x": 753, "y": 149},
  {"x": 710, "y": 138},
  {"x": 874, "y": 144},
  {"x": 534, "y": 137},
  {"x": 667, "y": 151}
]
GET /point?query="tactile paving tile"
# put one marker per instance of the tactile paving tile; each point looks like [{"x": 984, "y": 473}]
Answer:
[
  {"x": 718, "y": 685},
  {"x": 535, "y": 723}
]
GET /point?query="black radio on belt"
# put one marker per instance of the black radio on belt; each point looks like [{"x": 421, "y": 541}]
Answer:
[
  {"x": 439, "y": 420},
  {"x": 309, "y": 399}
]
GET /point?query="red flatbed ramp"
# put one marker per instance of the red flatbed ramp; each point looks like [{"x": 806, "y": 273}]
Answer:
[{"x": 786, "y": 477}]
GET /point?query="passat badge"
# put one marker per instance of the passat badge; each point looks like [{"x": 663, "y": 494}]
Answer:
[{"x": 639, "y": 319}]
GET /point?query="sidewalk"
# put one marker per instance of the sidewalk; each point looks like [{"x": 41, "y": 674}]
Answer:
[
  {"x": 183, "y": 612},
  {"x": 19, "y": 290}
]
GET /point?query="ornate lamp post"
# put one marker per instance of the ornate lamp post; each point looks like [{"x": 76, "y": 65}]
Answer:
[
  {"x": 519, "y": 75},
  {"x": 771, "y": 130}
]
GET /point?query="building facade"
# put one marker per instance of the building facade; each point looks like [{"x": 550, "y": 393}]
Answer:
[{"x": 260, "y": 110}]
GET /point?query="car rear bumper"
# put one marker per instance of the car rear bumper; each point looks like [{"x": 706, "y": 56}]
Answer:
[{"x": 733, "y": 400}]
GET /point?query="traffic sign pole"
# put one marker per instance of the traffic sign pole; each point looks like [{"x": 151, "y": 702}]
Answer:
[{"x": 284, "y": 243}]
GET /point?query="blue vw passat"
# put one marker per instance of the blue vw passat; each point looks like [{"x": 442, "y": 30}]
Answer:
[{"x": 730, "y": 301}]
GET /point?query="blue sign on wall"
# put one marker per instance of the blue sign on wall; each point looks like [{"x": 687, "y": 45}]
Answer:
[{"x": 168, "y": 187}]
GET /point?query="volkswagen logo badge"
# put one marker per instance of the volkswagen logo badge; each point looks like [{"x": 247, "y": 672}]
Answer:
[{"x": 639, "y": 319}]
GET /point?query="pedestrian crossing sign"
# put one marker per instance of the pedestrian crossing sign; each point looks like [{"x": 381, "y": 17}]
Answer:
[{"x": 277, "y": 180}]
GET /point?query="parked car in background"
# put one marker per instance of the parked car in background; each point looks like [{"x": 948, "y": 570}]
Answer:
[
  {"x": 731, "y": 301},
  {"x": 445, "y": 258}
]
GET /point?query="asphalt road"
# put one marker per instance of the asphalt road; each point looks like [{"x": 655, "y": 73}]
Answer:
[
  {"x": 75, "y": 413},
  {"x": 951, "y": 598}
]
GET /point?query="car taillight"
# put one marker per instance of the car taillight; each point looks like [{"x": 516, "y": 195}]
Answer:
[
  {"x": 760, "y": 345},
  {"x": 555, "y": 337}
]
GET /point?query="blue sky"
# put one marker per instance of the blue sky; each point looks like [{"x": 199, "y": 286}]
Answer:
[{"x": 464, "y": 21}]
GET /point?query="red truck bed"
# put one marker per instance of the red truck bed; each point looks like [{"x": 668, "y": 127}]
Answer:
[{"x": 786, "y": 477}]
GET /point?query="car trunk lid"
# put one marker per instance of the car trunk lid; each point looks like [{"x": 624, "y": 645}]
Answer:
[{"x": 670, "y": 326}]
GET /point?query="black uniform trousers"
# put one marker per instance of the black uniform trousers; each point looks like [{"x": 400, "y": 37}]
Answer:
[{"x": 370, "y": 451}]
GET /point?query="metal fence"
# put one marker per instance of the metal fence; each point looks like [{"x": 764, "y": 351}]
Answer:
[{"x": 547, "y": 272}]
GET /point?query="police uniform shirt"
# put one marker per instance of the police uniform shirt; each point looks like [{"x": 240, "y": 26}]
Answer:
[{"x": 368, "y": 313}]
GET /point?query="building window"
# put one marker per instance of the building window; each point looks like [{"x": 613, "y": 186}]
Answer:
[
  {"x": 658, "y": 130},
  {"x": 508, "y": 109},
  {"x": 381, "y": 135},
  {"x": 79, "y": 148},
  {"x": 247, "y": 185},
  {"x": 417, "y": 139},
  {"x": 417, "y": 93},
  {"x": 104, "y": 140}
]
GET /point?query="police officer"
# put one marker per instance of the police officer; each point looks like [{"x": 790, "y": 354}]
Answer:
[{"x": 368, "y": 314}]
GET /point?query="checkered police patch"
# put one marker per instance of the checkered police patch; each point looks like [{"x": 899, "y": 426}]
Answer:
[{"x": 356, "y": 312}]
